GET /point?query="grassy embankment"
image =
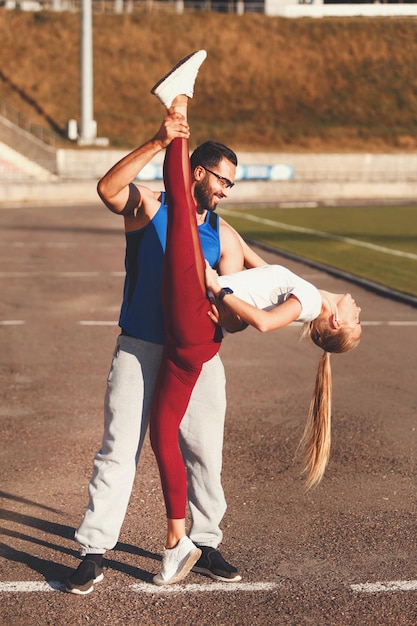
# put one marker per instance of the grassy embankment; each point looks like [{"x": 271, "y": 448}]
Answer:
[{"x": 269, "y": 84}]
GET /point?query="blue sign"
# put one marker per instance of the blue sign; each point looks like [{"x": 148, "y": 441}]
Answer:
[{"x": 280, "y": 171}]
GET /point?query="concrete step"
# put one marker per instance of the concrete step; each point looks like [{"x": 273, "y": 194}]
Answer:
[{"x": 14, "y": 166}]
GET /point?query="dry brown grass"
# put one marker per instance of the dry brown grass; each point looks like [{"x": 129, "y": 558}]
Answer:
[{"x": 268, "y": 84}]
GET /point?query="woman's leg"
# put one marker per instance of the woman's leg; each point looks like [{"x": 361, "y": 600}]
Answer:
[
  {"x": 190, "y": 334},
  {"x": 184, "y": 290}
]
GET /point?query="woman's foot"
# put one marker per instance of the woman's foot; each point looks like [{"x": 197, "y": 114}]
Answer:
[
  {"x": 180, "y": 79},
  {"x": 177, "y": 562}
]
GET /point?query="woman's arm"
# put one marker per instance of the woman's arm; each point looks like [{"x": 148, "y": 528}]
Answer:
[
  {"x": 264, "y": 321},
  {"x": 222, "y": 315}
]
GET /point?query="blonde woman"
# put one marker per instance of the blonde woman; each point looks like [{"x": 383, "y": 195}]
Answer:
[{"x": 271, "y": 297}]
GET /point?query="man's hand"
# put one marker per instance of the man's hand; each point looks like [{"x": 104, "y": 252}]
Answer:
[{"x": 174, "y": 125}]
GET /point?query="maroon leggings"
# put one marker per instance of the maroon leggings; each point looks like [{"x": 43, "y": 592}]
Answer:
[{"x": 191, "y": 338}]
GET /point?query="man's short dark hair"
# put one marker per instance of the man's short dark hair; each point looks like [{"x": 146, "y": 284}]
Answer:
[{"x": 210, "y": 153}]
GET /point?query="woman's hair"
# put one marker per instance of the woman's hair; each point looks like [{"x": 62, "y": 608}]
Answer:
[
  {"x": 316, "y": 438},
  {"x": 329, "y": 339}
]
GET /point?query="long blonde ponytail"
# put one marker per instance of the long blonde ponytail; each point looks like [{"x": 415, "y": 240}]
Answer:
[{"x": 316, "y": 438}]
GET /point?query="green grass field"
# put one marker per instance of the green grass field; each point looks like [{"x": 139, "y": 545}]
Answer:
[{"x": 375, "y": 243}]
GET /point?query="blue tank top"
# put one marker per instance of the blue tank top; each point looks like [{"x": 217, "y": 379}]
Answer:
[{"x": 141, "y": 312}]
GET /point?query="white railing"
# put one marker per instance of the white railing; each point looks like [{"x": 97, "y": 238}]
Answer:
[
  {"x": 45, "y": 135},
  {"x": 140, "y": 6},
  {"x": 283, "y": 8}
]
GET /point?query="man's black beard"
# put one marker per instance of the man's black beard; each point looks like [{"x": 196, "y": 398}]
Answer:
[{"x": 203, "y": 196}]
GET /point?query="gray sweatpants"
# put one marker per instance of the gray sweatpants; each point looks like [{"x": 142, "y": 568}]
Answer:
[{"x": 128, "y": 398}]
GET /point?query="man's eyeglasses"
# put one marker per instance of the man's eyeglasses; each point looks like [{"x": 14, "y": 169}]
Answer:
[{"x": 224, "y": 181}]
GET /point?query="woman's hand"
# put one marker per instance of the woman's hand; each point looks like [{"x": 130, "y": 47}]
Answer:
[
  {"x": 222, "y": 316},
  {"x": 214, "y": 313},
  {"x": 212, "y": 280}
]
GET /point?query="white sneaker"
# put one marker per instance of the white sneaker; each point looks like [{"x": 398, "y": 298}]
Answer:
[
  {"x": 180, "y": 80},
  {"x": 177, "y": 562}
]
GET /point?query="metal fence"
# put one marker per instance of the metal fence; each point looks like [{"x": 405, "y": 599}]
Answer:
[
  {"x": 45, "y": 135},
  {"x": 140, "y": 6},
  {"x": 289, "y": 8}
]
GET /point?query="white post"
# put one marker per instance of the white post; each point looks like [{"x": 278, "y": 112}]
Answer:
[{"x": 88, "y": 129}]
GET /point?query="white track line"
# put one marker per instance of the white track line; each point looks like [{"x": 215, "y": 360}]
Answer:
[
  {"x": 52, "y": 244},
  {"x": 115, "y": 323},
  {"x": 23, "y": 586},
  {"x": 388, "y": 586},
  {"x": 319, "y": 233},
  {"x": 59, "y": 274},
  {"x": 378, "y": 323},
  {"x": 18, "y": 274},
  {"x": 367, "y": 323},
  {"x": 195, "y": 587},
  {"x": 393, "y": 323},
  {"x": 96, "y": 323}
]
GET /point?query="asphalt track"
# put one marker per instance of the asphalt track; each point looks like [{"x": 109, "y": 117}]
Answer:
[{"x": 344, "y": 554}]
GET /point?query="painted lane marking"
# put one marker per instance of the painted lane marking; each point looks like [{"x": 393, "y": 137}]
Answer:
[
  {"x": 96, "y": 323},
  {"x": 367, "y": 323},
  {"x": 76, "y": 274},
  {"x": 38, "y": 244},
  {"x": 323, "y": 235},
  {"x": 376, "y": 323},
  {"x": 18, "y": 274},
  {"x": 25, "y": 586},
  {"x": 195, "y": 587},
  {"x": 388, "y": 586},
  {"x": 393, "y": 323},
  {"x": 115, "y": 323},
  {"x": 71, "y": 274},
  {"x": 52, "y": 244},
  {"x": 56, "y": 585}
]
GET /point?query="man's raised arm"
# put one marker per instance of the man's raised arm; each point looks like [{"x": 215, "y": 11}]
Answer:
[{"x": 117, "y": 188}]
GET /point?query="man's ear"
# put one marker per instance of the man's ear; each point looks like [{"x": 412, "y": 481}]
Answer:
[{"x": 199, "y": 173}]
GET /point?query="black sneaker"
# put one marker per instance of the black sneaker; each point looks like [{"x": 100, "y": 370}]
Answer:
[
  {"x": 82, "y": 580},
  {"x": 211, "y": 563}
]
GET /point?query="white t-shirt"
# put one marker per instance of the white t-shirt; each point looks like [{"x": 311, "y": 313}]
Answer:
[{"x": 270, "y": 285}]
